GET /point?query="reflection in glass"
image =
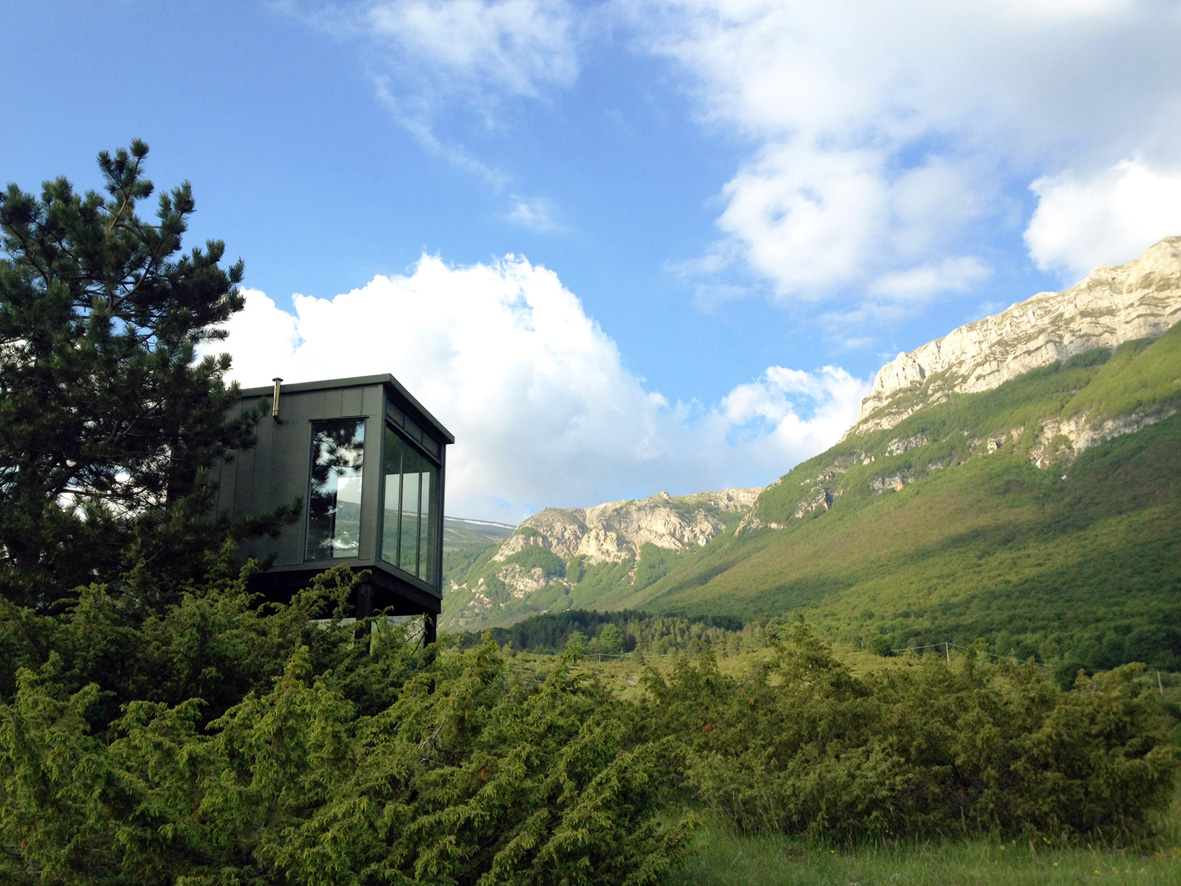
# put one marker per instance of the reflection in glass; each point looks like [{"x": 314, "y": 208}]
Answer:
[
  {"x": 411, "y": 501},
  {"x": 408, "y": 536},
  {"x": 334, "y": 495},
  {"x": 424, "y": 521},
  {"x": 392, "y": 509}
]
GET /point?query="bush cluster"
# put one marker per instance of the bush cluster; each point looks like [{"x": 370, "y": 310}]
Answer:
[
  {"x": 805, "y": 747},
  {"x": 214, "y": 742},
  {"x": 243, "y": 748}
]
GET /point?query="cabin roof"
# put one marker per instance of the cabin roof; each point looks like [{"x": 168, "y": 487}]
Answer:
[{"x": 393, "y": 388}]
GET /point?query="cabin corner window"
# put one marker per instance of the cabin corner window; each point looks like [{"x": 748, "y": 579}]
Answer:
[
  {"x": 408, "y": 539},
  {"x": 334, "y": 494}
]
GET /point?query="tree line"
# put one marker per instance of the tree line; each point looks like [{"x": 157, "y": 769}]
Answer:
[{"x": 627, "y": 630}]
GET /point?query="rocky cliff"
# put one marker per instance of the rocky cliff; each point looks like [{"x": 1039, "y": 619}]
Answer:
[
  {"x": 616, "y": 531},
  {"x": 602, "y": 557},
  {"x": 1140, "y": 299},
  {"x": 550, "y": 555},
  {"x": 1135, "y": 303}
]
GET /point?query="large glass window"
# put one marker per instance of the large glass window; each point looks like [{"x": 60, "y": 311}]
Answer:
[
  {"x": 408, "y": 532},
  {"x": 334, "y": 495}
]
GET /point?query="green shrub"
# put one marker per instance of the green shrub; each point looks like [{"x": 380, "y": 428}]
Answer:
[
  {"x": 536, "y": 557},
  {"x": 338, "y": 762},
  {"x": 804, "y": 747}
]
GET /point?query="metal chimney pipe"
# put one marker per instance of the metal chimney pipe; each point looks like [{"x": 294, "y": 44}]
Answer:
[{"x": 275, "y": 399}]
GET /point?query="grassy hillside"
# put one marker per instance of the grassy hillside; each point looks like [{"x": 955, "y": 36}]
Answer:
[
  {"x": 484, "y": 592},
  {"x": 571, "y": 584},
  {"x": 1078, "y": 563},
  {"x": 461, "y": 534},
  {"x": 1098, "y": 386}
]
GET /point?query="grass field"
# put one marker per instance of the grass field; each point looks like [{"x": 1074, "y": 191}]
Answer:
[
  {"x": 724, "y": 859},
  {"x": 727, "y": 860}
]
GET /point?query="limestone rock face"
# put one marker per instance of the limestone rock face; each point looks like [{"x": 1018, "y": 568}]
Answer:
[
  {"x": 614, "y": 532},
  {"x": 611, "y": 533},
  {"x": 1140, "y": 299},
  {"x": 1078, "y": 433}
]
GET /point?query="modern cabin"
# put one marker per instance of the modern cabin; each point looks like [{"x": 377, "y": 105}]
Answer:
[{"x": 368, "y": 462}]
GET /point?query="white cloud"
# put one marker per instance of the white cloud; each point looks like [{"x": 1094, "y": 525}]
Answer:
[
  {"x": 882, "y": 134},
  {"x": 922, "y": 282},
  {"x": 1066, "y": 9},
  {"x": 792, "y": 410},
  {"x": 428, "y": 56},
  {"x": 417, "y": 122},
  {"x": 1107, "y": 218},
  {"x": 472, "y": 48},
  {"x": 535, "y": 213},
  {"x": 516, "y": 47},
  {"x": 881, "y": 137},
  {"x": 269, "y": 334},
  {"x": 804, "y": 219},
  {"x": 535, "y": 392},
  {"x": 816, "y": 221}
]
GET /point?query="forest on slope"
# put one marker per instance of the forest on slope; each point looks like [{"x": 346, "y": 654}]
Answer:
[
  {"x": 962, "y": 536},
  {"x": 944, "y": 529}
]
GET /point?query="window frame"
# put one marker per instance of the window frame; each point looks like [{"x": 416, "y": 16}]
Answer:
[{"x": 428, "y": 554}]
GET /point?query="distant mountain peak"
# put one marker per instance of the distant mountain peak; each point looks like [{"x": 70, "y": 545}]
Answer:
[
  {"x": 1112, "y": 305},
  {"x": 615, "y": 531},
  {"x": 541, "y": 565}
]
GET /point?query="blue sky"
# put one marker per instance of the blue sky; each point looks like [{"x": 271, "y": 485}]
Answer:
[{"x": 618, "y": 248}]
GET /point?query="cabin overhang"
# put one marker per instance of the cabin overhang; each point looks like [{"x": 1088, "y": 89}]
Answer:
[{"x": 368, "y": 463}]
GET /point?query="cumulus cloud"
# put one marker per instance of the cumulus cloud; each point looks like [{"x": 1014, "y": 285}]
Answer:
[
  {"x": 1106, "y": 218},
  {"x": 789, "y": 410},
  {"x": 880, "y": 137},
  {"x": 543, "y": 410},
  {"x": 804, "y": 219}
]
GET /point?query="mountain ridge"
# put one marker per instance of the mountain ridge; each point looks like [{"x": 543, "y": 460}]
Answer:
[
  {"x": 549, "y": 555},
  {"x": 1111, "y": 305},
  {"x": 1010, "y": 512}
]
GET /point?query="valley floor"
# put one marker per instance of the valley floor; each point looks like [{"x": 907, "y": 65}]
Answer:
[{"x": 728, "y": 860}]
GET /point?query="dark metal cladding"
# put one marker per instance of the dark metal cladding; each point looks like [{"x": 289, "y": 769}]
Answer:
[{"x": 368, "y": 462}]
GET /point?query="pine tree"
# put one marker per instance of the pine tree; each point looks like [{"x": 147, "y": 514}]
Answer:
[{"x": 108, "y": 419}]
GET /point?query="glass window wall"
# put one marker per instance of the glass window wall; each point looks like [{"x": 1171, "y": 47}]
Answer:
[
  {"x": 408, "y": 536},
  {"x": 334, "y": 495}
]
